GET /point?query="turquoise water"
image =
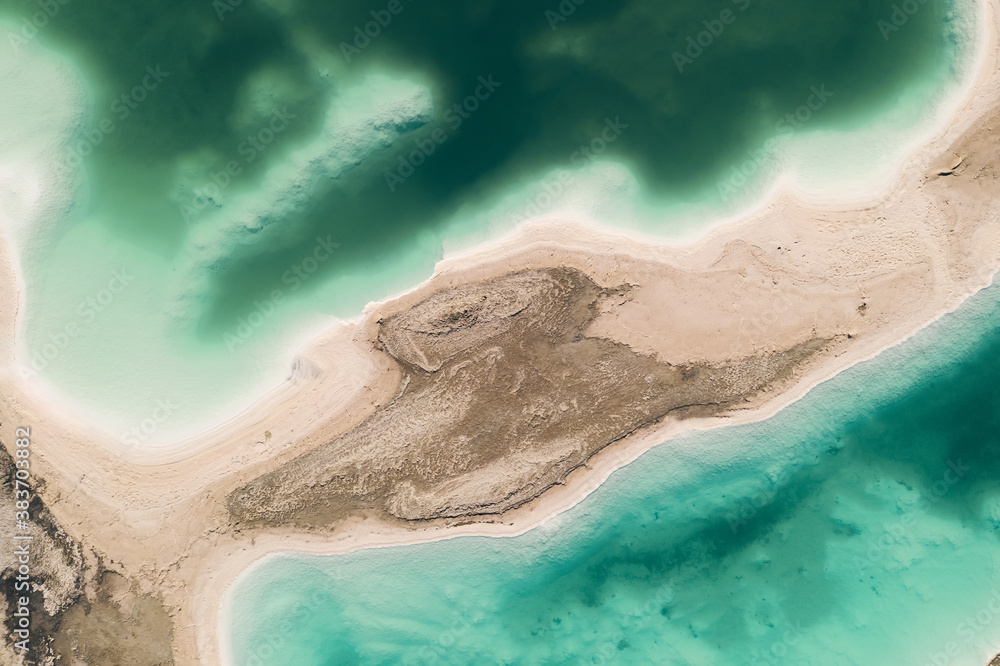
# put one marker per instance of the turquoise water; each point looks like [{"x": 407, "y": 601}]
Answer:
[
  {"x": 859, "y": 526},
  {"x": 223, "y": 142},
  {"x": 224, "y": 156}
]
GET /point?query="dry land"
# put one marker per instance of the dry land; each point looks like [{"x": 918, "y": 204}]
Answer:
[{"x": 496, "y": 394}]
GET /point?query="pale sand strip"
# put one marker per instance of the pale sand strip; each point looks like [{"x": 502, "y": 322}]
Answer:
[{"x": 914, "y": 253}]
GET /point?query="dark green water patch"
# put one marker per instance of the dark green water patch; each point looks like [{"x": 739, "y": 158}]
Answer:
[{"x": 692, "y": 86}]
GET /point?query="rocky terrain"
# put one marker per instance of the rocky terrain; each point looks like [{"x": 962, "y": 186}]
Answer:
[
  {"x": 81, "y": 609},
  {"x": 504, "y": 394}
]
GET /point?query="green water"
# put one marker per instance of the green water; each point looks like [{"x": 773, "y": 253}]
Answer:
[
  {"x": 225, "y": 158},
  {"x": 220, "y": 146},
  {"x": 859, "y": 526}
]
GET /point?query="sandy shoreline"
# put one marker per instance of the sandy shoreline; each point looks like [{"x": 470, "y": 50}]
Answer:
[{"x": 914, "y": 259}]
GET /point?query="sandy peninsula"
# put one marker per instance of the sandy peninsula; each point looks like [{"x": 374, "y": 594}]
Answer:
[{"x": 522, "y": 374}]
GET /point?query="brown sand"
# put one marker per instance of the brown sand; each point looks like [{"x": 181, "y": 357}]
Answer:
[{"x": 781, "y": 301}]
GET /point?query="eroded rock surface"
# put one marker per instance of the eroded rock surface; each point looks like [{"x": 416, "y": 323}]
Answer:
[
  {"x": 79, "y": 612},
  {"x": 504, "y": 395}
]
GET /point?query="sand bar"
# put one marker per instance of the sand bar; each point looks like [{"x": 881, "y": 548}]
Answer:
[{"x": 856, "y": 277}]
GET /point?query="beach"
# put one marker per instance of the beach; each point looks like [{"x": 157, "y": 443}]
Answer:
[{"x": 859, "y": 276}]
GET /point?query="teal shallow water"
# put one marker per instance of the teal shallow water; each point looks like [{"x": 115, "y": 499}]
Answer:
[
  {"x": 859, "y": 526},
  {"x": 206, "y": 176}
]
